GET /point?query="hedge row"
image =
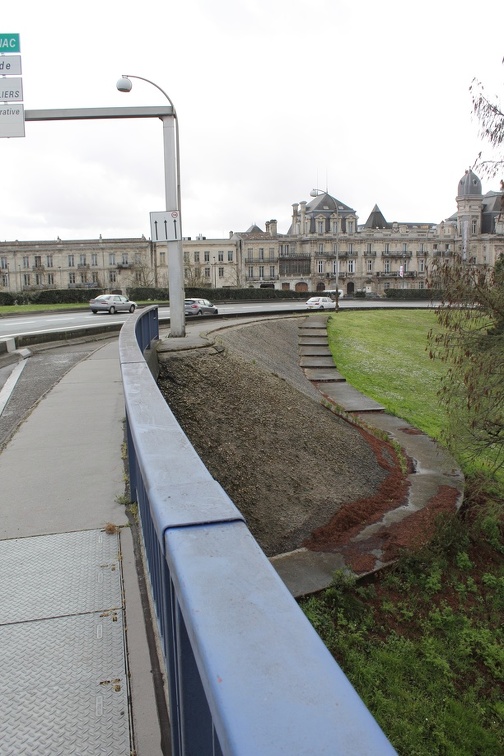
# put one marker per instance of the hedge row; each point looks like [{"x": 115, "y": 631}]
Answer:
[
  {"x": 48, "y": 296},
  {"x": 217, "y": 295},
  {"x": 412, "y": 294}
]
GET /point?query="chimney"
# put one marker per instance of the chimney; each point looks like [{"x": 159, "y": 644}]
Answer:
[{"x": 272, "y": 225}]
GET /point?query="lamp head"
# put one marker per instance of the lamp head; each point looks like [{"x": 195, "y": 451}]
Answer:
[{"x": 124, "y": 84}]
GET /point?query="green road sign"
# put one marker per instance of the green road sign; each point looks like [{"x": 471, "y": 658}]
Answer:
[{"x": 9, "y": 43}]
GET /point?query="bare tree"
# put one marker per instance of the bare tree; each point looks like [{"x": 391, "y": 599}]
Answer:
[{"x": 490, "y": 115}]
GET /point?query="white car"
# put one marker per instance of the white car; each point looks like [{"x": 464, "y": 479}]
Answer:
[
  {"x": 111, "y": 303},
  {"x": 321, "y": 303}
]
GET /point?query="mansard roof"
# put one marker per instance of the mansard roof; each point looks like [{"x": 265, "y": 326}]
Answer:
[{"x": 326, "y": 205}]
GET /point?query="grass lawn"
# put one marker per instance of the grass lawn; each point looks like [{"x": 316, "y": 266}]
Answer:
[
  {"x": 423, "y": 641},
  {"x": 385, "y": 355}
]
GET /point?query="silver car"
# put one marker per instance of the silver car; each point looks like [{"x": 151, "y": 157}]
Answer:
[
  {"x": 111, "y": 303},
  {"x": 199, "y": 307}
]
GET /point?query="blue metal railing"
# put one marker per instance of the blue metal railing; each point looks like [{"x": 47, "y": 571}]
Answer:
[{"x": 247, "y": 673}]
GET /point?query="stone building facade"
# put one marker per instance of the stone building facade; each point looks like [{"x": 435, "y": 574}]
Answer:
[{"x": 324, "y": 248}]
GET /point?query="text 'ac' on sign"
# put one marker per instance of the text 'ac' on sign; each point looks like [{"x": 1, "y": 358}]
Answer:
[{"x": 9, "y": 43}]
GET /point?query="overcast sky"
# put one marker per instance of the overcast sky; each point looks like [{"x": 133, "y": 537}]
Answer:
[{"x": 369, "y": 100}]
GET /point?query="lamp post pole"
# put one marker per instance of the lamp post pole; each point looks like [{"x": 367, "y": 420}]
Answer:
[{"x": 173, "y": 204}]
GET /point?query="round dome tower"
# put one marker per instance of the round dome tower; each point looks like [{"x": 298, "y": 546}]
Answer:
[{"x": 469, "y": 185}]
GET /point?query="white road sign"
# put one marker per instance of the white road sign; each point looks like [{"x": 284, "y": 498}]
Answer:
[
  {"x": 10, "y": 65},
  {"x": 165, "y": 226},
  {"x": 11, "y": 89},
  {"x": 12, "y": 123}
]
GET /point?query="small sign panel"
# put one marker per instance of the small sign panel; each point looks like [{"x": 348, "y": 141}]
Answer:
[
  {"x": 11, "y": 89},
  {"x": 9, "y": 43},
  {"x": 10, "y": 65},
  {"x": 12, "y": 123},
  {"x": 165, "y": 226}
]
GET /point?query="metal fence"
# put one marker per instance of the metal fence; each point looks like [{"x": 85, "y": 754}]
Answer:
[{"x": 246, "y": 672}]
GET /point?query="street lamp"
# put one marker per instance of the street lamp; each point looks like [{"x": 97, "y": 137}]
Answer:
[{"x": 173, "y": 204}]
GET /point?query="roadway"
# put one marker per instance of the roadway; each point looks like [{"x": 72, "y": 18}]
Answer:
[{"x": 75, "y": 320}]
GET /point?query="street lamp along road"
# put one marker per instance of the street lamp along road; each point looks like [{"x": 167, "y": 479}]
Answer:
[
  {"x": 173, "y": 203},
  {"x": 317, "y": 193}
]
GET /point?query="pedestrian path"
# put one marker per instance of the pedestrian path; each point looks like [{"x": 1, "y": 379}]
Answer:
[{"x": 76, "y": 669}]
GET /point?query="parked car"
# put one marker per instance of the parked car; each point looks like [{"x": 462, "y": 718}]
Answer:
[
  {"x": 111, "y": 303},
  {"x": 321, "y": 303},
  {"x": 199, "y": 307}
]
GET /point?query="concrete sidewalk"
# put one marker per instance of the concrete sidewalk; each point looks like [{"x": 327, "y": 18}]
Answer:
[{"x": 75, "y": 661}]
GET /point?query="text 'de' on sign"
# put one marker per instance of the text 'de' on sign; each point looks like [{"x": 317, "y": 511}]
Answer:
[{"x": 12, "y": 122}]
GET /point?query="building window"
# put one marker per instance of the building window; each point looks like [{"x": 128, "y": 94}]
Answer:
[
  {"x": 196, "y": 257},
  {"x": 421, "y": 265},
  {"x": 320, "y": 265},
  {"x": 124, "y": 258},
  {"x": 26, "y": 279},
  {"x": 368, "y": 247},
  {"x": 350, "y": 227},
  {"x": 49, "y": 261},
  {"x": 94, "y": 277},
  {"x": 206, "y": 255},
  {"x": 387, "y": 248},
  {"x": 405, "y": 247},
  {"x": 197, "y": 272},
  {"x": 474, "y": 226},
  {"x": 271, "y": 253},
  {"x": 272, "y": 271},
  {"x": 261, "y": 271},
  {"x": 230, "y": 255},
  {"x": 71, "y": 261},
  {"x": 5, "y": 279},
  {"x": 251, "y": 271},
  {"x": 421, "y": 247},
  {"x": 71, "y": 278},
  {"x": 369, "y": 266},
  {"x": 387, "y": 266},
  {"x": 94, "y": 259},
  {"x": 220, "y": 256},
  {"x": 112, "y": 277},
  {"x": 320, "y": 227},
  {"x": 221, "y": 272},
  {"x": 162, "y": 258},
  {"x": 351, "y": 266},
  {"x": 39, "y": 279},
  {"x": 82, "y": 259},
  {"x": 50, "y": 279},
  {"x": 83, "y": 278},
  {"x": 111, "y": 258},
  {"x": 3, "y": 263},
  {"x": 321, "y": 248},
  {"x": 207, "y": 272},
  {"x": 350, "y": 247},
  {"x": 335, "y": 267},
  {"x": 26, "y": 261}
]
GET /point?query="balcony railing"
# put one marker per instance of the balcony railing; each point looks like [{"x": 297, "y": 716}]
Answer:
[
  {"x": 261, "y": 278},
  {"x": 396, "y": 274},
  {"x": 246, "y": 672}
]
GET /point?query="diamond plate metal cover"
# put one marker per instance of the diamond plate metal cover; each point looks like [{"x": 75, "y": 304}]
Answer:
[{"x": 63, "y": 676}]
